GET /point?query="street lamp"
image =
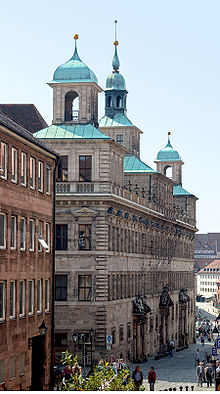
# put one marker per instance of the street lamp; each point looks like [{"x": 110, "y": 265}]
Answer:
[
  {"x": 43, "y": 328},
  {"x": 74, "y": 338},
  {"x": 92, "y": 335}
]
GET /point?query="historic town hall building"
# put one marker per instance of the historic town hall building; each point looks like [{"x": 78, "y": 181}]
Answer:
[{"x": 124, "y": 231}]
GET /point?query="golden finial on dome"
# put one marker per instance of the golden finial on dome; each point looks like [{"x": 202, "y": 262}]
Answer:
[
  {"x": 169, "y": 132},
  {"x": 116, "y": 43},
  {"x": 76, "y": 37}
]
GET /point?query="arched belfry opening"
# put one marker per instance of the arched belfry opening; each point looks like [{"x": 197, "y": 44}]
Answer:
[
  {"x": 71, "y": 106},
  {"x": 109, "y": 101},
  {"x": 118, "y": 101},
  {"x": 168, "y": 172}
]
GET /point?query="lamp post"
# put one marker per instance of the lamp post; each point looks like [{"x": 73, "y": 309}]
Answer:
[
  {"x": 74, "y": 338},
  {"x": 92, "y": 335},
  {"x": 43, "y": 328}
]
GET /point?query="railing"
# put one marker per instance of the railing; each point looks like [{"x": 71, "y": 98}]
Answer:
[{"x": 106, "y": 187}]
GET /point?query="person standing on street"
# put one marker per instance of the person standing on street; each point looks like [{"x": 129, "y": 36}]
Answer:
[
  {"x": 137, "y": 377},
  {"x": 152, "y": 378},
  {"x": 197, "y": 357},
  {"x": 200, "y": 374}
]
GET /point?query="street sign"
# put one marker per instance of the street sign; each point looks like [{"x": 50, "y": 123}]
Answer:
[
  {"x": 214, "y": 358},
  {"x": 108, "y": 347},
  {"x": 214, "y": 351},
  {"x": 218, "y": 342},
  {"x": 109, "y": 339}
]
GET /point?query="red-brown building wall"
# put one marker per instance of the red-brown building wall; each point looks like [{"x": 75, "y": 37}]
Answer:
[{"x": 18, "y": 336}]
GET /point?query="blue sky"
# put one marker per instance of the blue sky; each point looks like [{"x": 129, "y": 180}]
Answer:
[{"x": 170, "y": 57}]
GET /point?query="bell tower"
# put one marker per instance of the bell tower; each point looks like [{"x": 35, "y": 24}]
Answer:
[{"x": 75, "y": 92}]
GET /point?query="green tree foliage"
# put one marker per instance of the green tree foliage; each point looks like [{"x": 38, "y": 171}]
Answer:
[{"x": 103, "y": 378}]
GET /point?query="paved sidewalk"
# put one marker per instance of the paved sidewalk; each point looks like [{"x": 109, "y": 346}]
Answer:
[{"x": 178, "y": 370}]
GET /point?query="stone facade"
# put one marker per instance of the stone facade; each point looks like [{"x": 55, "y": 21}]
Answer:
[
  {"x": 25, "y": 268},
  {"x": 128, "y": 245}
]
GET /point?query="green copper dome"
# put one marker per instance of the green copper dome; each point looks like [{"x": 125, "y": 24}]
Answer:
[
  {"x": 115, "y": 81},
  {"x": 168, "y": 153},
  {"x": 74, "y": 70}
]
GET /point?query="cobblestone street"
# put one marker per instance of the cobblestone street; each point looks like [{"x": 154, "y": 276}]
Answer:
[{"x": 176, "y": 371}]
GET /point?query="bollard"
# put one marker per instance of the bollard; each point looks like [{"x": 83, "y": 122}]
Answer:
[
  {"x": 170, "y": 389},
  {"x": 181, "y": 388},
  {"x": 174, "y": 389},
  {"x": 192, "y": 388},
  {"x": 187, "y": 388}
]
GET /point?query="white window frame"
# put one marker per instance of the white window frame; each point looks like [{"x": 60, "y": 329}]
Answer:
[
  {"x": 32, "y": 297},
  {"x": 32, "y": 172},
  {"x": 14, "y": 229},
  {"x": 4, "y": 230},
  {"x": 24, "y": 235},
  {"x": 40, "y": 234},
  {"x": 24, "y": 168},
  {"x": 31, "y": 230},
  {"x": 4, "y": 161},
  {"x": 22, "y": 314},
  {"x": 40, "y": 176},
  {"x": 13, "y": 315},
  {"x": 2, "y": 318},
  {"x": 48, "y": 237},
  {"x": 47, "y": 292},
  {"x": 39, "y": 294},
  {"x": 48, "y": 179},
  {"x": 14, "y": 165}
]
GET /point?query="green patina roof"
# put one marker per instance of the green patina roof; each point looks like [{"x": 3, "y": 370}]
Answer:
[
  {"x": 115, "y": 81},
  {"x": 168, "y": 153},
  {"x": 118, "y": 120},
  {"x": 133, "y": 164},
  {"x": 73, "y": 131},
  {"x": 74, "y": 70},
  {"x": 179, "y": 191}
]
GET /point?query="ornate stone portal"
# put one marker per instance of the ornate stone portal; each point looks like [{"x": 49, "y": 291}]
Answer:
[
  {"x": 183, "y": 305},
  {"x": 140, "y": 310},
  {"x": 164, "y": 307}
]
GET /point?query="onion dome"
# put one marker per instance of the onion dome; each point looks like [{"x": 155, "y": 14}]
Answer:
[
  {"x": 115, "y": 81},
  {"x": 74, "y": 70},
  {"x": 168, "y": 153}
]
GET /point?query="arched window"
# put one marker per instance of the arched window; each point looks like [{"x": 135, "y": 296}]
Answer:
[
  {"x": 71, "y": 106},
  {"x": 118, "y": 102},
  {"x": 168, "y": 172},
  {"x": 109, "y": 101}
]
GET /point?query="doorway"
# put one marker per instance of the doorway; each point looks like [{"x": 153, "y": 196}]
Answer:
[{"x": 38, "y": 361}]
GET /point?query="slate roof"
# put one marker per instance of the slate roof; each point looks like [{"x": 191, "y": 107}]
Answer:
[
  {"x": 21, "y": 131},
  {"x": 71, "y": 131},
  {"x": 134, "y": 164},
  {"x": 26, "y": 115},
  {"x": 117, "y": 121},
  {"x": 213, "y": 265}
]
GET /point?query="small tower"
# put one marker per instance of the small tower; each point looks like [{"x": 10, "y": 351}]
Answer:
[
  {"x": 75, "y": 92},
  {"x": 170, "y": 158}
]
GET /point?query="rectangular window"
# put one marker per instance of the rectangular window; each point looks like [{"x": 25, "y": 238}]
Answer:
[
  {"x": 61, "y": 237},
  {"x": 2, "y": 300},
  {"x": 12, "y": 367},
  {"x": 128, "y": 331},
  {"x": 48, "y": 179},
  {"x": 23, "y": 234},
  {"x": 13, "y": 232},
  {"x": 48, "y": 237},
  {"x": 113, "y": 336},
  {"x": 32, "y": 173},
  {"x": 84, "y": 287},
  {"x": 22, "y": 298},
  {"x": 22, "y": 363},
  {"x": 31, "y": 297},
  {"x": 121, "y": 334},
  {"x": 12, "y": 300},
  {"x": 60, "y": 287},
  {"x": 40, "y": 176},
  {"x": 14, "y": 165},
  {"x": 2, "y": 371},
  {"x": 62, "y": 170},
  {"x": 23, "y": 169},
  {"x": 39, "y": 296},
  {"x": 85, "y": 168},
  {"x": 40, "y": 234},
  {"x": 4, "y": 161},
  {"x": 47, "y": 295},
  {"x": 2, "y": 231},
  {"x": 85, "y": 237},
  {"x": 31, "y": 234},
  {"x": 119, "y": 138},
  {"x": 61, "y": 340}
]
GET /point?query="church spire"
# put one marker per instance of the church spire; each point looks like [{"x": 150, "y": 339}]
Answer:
[
  {"x": 115, "y": 61},
  {"x": 75, "y": 54}
]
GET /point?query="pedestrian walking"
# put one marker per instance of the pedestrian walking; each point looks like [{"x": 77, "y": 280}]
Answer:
[
  {"x": 208, "y": 375},
  {"x": 152, "y": 378},
  {"x": 137, "y": 377},
  {"x": 200, "y": 374},
  {"x": 197, "y": 357},
  {"x": 203, "y": 341}
]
